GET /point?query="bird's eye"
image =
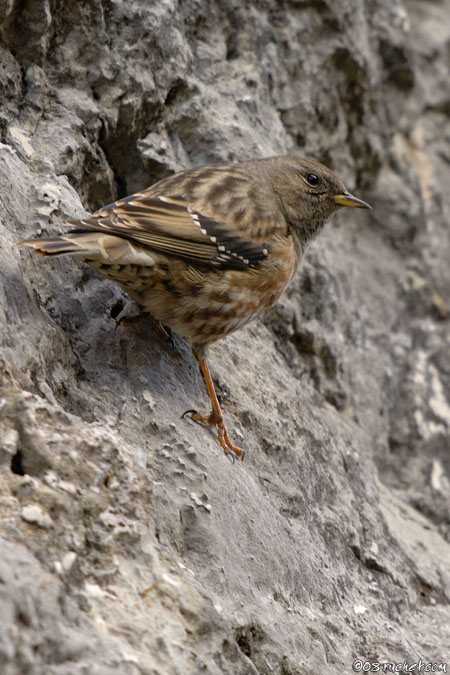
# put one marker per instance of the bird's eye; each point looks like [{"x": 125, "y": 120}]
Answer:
[{"x": 313, "y": 179}]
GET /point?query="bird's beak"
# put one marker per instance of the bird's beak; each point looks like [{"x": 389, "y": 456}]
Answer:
[{"x": 347, "y": 199}]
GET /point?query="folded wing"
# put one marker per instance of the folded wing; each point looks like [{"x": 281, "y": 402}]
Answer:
[{"x": 168, "y": 225}]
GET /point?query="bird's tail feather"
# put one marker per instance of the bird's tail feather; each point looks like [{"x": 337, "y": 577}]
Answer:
[
  {"x": 93, "y": 247},
  {"x": 63, "y": 245}
]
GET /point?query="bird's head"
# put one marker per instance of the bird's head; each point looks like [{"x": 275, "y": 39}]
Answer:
[{"x": 309, "y": 193}]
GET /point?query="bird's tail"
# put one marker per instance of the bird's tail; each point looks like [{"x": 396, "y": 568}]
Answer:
[
  {"x": 72, "y": 243},
  {"x": 94, "y": 247}
]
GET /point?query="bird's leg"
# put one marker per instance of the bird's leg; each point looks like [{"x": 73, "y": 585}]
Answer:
[
  {"x": 215, "y": 418},
  {"x": 131, "y": 320},
  {"x": 165, "y": 332}
]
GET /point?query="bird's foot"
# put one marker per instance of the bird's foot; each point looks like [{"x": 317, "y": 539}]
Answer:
[
  {"x": 213, "y": 419},
  {"x": 132, "y": 320},
  {"x": 165, "y": 332}
]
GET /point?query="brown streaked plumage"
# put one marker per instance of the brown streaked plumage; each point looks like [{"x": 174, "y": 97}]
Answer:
[{"x": 206, "y": 250}]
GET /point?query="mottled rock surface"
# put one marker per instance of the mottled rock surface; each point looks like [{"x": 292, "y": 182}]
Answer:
[{"x": 129, "y": 543}]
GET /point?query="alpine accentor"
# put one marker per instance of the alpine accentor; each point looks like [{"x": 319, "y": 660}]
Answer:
[{"x": 206, "y": 250}]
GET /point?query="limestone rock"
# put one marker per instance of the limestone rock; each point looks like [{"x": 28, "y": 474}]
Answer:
[{"x": 129, "y": 543}]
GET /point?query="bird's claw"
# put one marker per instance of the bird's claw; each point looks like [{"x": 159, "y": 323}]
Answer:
[
  {"x": 166, "y": 334},
  {"x": 189, "y": 412},
  {"x": 127, "y": 321},
  {"x": 222, "y": 435}
]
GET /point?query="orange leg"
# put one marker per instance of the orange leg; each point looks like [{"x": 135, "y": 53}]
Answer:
[
  {"x": 215, "y": 418},
  {"x": 132, "y": 320}
]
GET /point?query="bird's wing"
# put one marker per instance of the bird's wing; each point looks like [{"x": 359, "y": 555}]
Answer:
[{"x": 172, "y": 226}]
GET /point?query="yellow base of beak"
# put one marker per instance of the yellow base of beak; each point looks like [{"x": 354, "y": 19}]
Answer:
[{"x": 347, "y": 199}]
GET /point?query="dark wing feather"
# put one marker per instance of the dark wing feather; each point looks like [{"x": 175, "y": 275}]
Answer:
[{"x": 170, "y": 225}]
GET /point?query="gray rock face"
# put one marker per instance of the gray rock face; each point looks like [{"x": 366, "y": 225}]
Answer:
[{"x": 129, "y": 543}]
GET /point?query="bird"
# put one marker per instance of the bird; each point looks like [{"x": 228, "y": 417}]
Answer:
[{"x": 206, "y": 250}]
